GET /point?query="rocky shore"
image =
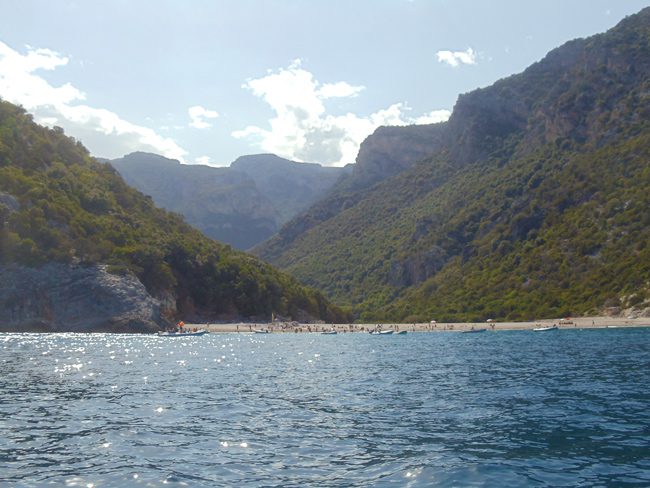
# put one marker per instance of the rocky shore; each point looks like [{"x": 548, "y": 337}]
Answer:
[{"x": 74, "y": 298}]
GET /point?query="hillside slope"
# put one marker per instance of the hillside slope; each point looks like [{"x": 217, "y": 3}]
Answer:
[
  {"x": 533, "y": 201},
  {"x": 59, "y": 205}
]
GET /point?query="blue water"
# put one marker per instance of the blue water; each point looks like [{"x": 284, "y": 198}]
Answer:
[{"x": 566, "y": 408}]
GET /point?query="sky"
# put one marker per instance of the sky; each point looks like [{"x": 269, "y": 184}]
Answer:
[{"x": 205, "y": 82}]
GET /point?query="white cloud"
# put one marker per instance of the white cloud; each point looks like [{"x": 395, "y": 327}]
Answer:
[
  {"x": 456, "y": 58},
  {"x": 301, "y": 128},
  {"x": 433, "y": 117},
  {"x": 102, "y": 131},
  {"x": 198, "y": 115},
  {"x": 340, "y": 89},
  {"x": 204, "y": 160}
]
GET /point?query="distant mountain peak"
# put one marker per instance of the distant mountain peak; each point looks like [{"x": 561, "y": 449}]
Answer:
[
  {"x": 143, "y": 155},
  {"x": 242, "y": 204},
  {"x": 265, "y": 159}
]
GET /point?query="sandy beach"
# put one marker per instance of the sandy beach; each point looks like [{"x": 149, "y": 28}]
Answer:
[{"x": 294, "y": 327}]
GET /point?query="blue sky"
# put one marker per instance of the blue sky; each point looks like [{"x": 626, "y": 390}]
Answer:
[{"x": 208, "y": 81}]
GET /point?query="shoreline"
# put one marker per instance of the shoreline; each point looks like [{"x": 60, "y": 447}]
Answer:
[{"x": 294, "y": 327}]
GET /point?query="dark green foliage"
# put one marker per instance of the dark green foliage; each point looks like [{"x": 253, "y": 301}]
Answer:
[
  {"x": 567, "y": 259},
  {"x": 72, "y": 208}
]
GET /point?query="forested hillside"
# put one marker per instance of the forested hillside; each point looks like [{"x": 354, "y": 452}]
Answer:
[
  {"x": 533, "y": 202},
  {"x": 57, "y": 204}
]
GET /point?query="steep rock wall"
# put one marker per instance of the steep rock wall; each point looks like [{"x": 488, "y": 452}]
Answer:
[{"x": 72, "y": 298}]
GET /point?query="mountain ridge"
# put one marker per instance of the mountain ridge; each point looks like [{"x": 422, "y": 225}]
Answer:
[
  {"x": 587, "y": 97},
  {"x": 240, "y": 205}
]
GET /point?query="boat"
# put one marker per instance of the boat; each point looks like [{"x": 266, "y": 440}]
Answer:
[
  {"x": 382, "y": 332},
  {"x": 401, "y": 332},
  {"x": 329, "y": 332},
  {"x": 182, "y": 334},
  {"x": 472, "y": 331},
  {"x": 545, "y": 329},
  {"x": 261, "y": 331}
]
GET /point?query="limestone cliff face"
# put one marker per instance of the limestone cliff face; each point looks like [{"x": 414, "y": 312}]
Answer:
[
  {"x": 70, "y": 298},
  {"x": 390, "y": 150},
  {"x": 8, "y": 203},
  {"x": 588, "y": 91}
]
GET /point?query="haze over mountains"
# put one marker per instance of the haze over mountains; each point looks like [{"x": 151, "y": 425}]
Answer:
[
  {"x": 531, "y": 201},
  {"x": 241, "y": 205}
]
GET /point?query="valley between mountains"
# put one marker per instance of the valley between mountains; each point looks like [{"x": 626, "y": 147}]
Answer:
[{"x": 531, "y": 201}]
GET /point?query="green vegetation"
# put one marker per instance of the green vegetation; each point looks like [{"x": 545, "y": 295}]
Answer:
[
  {"x": 535, "y": 205},
  {"x": 557, "y": 233},
  {"x": 569, "y": 246},
  {"x": 70, "y": 208}
]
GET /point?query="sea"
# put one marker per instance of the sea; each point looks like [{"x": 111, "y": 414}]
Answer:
[{"x": 506, "y": 408}]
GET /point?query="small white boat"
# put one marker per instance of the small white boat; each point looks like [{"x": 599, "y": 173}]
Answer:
[
  {"x": 329, "y": 332},
  {"x": 382, "y": 332},
  {"x": 473, "y": 331},
  {"x": 261, "y": 331},
  {"x": 182, "y": 334},
  {"x": 545, "y": 329},
  {"x": 401, "y": 332}
]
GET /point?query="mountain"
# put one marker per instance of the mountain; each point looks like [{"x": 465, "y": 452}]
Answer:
[
  {"x": 385, "y": 153},
  {"x": 81, "y": 250},
  {"x": 240, "y": 205},
  {"x": 291, "y": 187},
  {"x": 531, "y": 202},
  {"x": 390, "y": 150},
  {"x": 225, "y": 205}
]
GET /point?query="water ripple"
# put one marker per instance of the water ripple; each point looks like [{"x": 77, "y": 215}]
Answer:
[{"x": 495, "y": 409}]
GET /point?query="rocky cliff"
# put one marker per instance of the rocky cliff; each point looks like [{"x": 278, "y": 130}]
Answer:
[
  {"x": 390, "y": 150},
  {"x": 385, "y": 153},
  {"x": 63, "y": 297}
]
